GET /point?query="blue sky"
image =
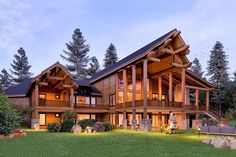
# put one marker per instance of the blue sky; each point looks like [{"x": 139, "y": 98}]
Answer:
[{"x": 43, "y": 27}]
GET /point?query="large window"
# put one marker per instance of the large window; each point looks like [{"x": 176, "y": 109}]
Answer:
[
  {"x": 42, "y": 96},
  {"x": 42, "y": 119},
  {"x": 120, "y": 97},
  {"x": 86, "y": 116},
  {"x": 83, "y": 100},
  {"x": 112, "y": 100}
]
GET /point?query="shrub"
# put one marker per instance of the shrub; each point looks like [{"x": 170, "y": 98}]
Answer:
[
  {"x": 87, "y": 122},
  {"x": 66, "y": 125},
  {"x": 108, "y": 126},
  {"x": 9, "y": 118},
  {"x": 54, "y": 127},
  {"x": 69, "y": 115}
]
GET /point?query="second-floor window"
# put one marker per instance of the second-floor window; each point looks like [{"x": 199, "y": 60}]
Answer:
[
  {"x": 83, "y": 100},
  {"x": 112, "y": 100}
]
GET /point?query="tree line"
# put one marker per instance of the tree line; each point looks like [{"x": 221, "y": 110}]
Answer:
[{"x": 81, "y": 66}]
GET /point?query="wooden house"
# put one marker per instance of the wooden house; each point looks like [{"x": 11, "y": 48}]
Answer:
[{"x": 139, "y": 90}]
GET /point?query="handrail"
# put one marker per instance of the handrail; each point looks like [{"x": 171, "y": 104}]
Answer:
[{"x": 54, "y": 103}]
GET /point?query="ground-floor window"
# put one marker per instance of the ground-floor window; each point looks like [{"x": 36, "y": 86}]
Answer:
[
  {"x": 86, "y": 116},
  {"x": 42, "y": 119}
]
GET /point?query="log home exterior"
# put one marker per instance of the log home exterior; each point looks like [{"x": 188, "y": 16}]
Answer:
[{"x": 139, "y": 90}]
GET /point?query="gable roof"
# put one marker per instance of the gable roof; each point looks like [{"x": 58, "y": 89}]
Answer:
[
  {"x": 19, "y": 90},
  {"x": 131, "y": 58}
]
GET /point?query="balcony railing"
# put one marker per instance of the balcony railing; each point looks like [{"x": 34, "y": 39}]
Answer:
[
  {"x": 92, "y": 106},
  {"x": 161, "y": 104},
  {"x": 54, "y": 103}
]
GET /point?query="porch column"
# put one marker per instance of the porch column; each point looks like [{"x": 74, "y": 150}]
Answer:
[
  {"x": 36, "y": 94},
  {"x": 197, "y": 99},
  {"x": 183, "y": 85},
  {"x": 124, "y": 121},
  {"x": 71, "y": 97},
  {"x": 160, "y": 120},
  {"x": 124, "y": 87},
  {"x": 145, "y": 88},
  {"x": 159, "y": 88},
  {"x": 133, "y": 122},
  {"x": 117, "y": 118},
  {"x": 170, "y": 88},
  {"x": 35, "y": 120},
  {"x": 117, "y": 88},
  {"x": 207, "y": 100}
]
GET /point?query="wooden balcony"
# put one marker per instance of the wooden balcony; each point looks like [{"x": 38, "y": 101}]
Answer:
[
  {"x": 91, "y": 106},
  {"x": 162, "y": 104},
  {"x": 54, "y": 103}
]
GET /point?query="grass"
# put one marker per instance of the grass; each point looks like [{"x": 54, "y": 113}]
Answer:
[{"x": 115, "y": 143}]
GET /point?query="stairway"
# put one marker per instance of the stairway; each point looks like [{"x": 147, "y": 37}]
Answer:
[{"x": 213, "y": 113}]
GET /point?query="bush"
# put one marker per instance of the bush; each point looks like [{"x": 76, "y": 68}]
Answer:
[
  {"x": 108, "y": 126},
  {"x": 54, "y": 127},
  {"x": 9, "y": 118},
  {"x": 87, "y": 122},
  {"x": 69, "y": 115},
  {"x": 66, "y": 125}
]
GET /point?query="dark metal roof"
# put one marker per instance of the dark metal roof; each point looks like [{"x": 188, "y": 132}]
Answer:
[
  {"x": 130, "y": 58},
  {"x": 20, "y": 89},
  {"x": 83, "y": 82}
]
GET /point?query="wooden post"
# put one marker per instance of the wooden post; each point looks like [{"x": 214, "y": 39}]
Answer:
[
  {"x": 124, "y": 87},
  {"x": 145, "y": 88},
  {"x": 183, "y": 86},
  {"x": 116, "y": 118},
  {"x": 71, "y": 97},
  {"x": 170, "y": 88},
  {"x": 117, "y": 88},
  {"x": 159, "y": 88},
  {"x": 36, "y": 94},
  {"x": 150, "y": 89},
  {"x": 207, "y": 100},
  {"x": 160, "y": 120},
  {"x": 197, "y": 99},
  {"x": 133, "y": 85}
]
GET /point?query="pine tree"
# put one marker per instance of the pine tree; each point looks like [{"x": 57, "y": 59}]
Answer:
[
  {"x": 20, "y": 66},
  {"x": 110, "y": 56},
  {"x": 196, "y": 68},
  {"x": 94, "y": 66},
  {"x": 217, "y": 70},
  {"x": 5, "y": 80},
  {"x": 76, "y": 55}
]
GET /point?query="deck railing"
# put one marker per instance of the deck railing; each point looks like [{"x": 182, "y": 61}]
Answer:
[
  {"x": 54, "y": 103},
  {"x": 92, "y": 106}
]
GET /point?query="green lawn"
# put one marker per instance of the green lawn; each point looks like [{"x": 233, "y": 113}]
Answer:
[{"x": 115, "y": 143}]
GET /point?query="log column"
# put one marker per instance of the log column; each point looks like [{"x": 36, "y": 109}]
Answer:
[
  {"x": 36, "y": 94},
  {"x": 160, "y": 120},
  {"x": 170, "y": 88},
  {"x": 71, "y": 97},
  {"x": 133, "y": 122},
  {"x": 160, "y": 90},
  {"x": 183, "y": 85},
  {"x": 124, "y": 87},
  {"x": 197, "y": 99},
  {"x": 207, "y": 100},
  {"x": 124, "y": 122},
  {"x": 145, "y": 88}
]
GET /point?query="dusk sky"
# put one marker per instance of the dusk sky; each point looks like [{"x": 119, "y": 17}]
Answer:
[{"x": 43, "y": 27}]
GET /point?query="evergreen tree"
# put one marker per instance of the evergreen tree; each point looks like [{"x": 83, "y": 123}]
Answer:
[
  {"x": 76, "y": 55},
  {"x": 196, "y": 68},
  {"x": 5, "y": 80},
  {"x": 110, "y": 56},
  {"x": 94, "y": 66},
  {"x": 20, "y": 67},
  {"x": 217, "y": 70}
]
